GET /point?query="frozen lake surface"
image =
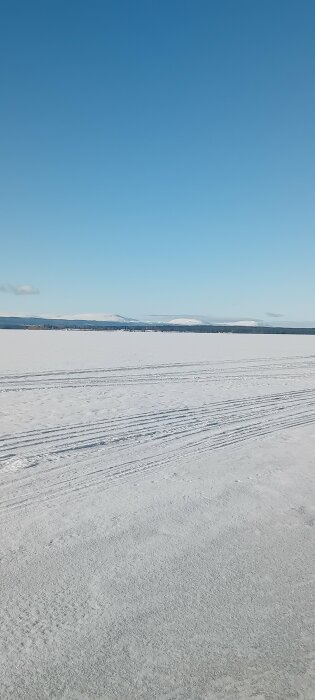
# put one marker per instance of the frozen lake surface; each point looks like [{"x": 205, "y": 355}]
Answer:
[{"x": 157, "y": 516}]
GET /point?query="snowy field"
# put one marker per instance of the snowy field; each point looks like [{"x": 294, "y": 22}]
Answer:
[{"x": 157, "y": 516}]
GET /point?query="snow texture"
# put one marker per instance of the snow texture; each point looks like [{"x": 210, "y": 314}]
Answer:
[{"x": 157, "y": 517}]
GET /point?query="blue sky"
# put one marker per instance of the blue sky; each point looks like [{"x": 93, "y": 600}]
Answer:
[{"x": 158, "y": 157}]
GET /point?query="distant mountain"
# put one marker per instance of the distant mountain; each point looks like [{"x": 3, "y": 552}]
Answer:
[
  {"x": 202, "y": 321},
  {"x": 192, "y": 324},
  {"x": 83, "y": 321},
  {"x": 186, "y": 322},
  {"x": 243, "y": 323},
  {"x": 104, "y": 318}
]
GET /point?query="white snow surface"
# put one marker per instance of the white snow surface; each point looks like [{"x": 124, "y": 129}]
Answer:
[{"x": 157, "y": 516}]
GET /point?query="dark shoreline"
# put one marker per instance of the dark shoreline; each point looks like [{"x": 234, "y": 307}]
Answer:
[{"x": 52, "y": 324}]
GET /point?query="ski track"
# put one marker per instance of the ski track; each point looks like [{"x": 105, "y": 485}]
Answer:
[
  {"x": 65, "y": 460},
  {"x": 169, "y": 373}
]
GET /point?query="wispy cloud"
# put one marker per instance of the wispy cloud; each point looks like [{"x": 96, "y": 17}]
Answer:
[
  {"x": 19, "y": 289},
  {"x": 273, "y": 315}
]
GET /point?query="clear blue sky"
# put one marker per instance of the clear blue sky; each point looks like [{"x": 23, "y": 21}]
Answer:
[{"x": 158, "y": 156}]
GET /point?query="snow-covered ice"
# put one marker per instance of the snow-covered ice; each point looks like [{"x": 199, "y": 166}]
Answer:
[{"x": 157, "y": 516}]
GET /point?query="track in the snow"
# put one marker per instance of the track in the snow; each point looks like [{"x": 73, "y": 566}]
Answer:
[
  {"x": 170, "y": 424},
  {"x": 167, "y": 373},
  {"x": 66, "y": 460}
]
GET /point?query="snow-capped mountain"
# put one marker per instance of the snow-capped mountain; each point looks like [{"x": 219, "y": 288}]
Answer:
[
  {"x": 97, "y": 321},
  {"x": 185, "y": 322},
  {"x": 242, "y": 323}
]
